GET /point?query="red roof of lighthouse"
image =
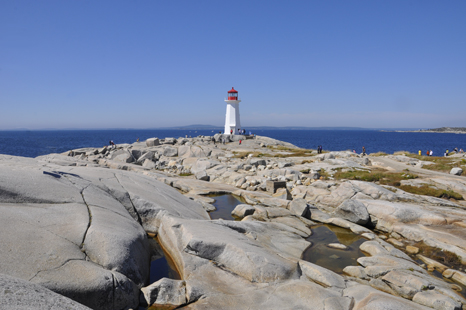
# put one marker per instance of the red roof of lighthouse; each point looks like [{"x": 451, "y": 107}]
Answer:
[{"x": 232, "y": 91}]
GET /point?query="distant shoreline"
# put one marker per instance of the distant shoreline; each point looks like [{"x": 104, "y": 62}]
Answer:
[{"x": 457, "y": 130}]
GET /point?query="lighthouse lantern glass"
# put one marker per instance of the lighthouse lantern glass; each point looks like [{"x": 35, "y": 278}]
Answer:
[{"x": 232, "y": 96}]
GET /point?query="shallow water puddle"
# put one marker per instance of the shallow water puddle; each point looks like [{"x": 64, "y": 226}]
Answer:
[
  {"x": 334, "y": 259},
  {"x": 224, "y": 203},
  {"x": 162, "y": 265}
]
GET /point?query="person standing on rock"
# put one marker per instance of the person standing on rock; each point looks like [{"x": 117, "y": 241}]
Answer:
[
  {"x": 240, "y": 142},
  {"x": 420, "y": 152},
  {"x": 363, "y": 151},
  {"x": 431, "y": 153}
]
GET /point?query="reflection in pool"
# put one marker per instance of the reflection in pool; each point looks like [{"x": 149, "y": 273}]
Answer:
[
  {"x": 162, "y": 265},
  {"x": 334, "y": 259},
  {"x": 224, "y": 204}
]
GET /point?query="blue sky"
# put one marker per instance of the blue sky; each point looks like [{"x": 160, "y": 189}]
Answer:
[{"x": 148, "y": 64}]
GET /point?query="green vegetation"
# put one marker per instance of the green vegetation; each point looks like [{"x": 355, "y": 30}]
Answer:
[
  {"x": 383, "y": 177},
  {"x": 185, "y": 174},
  {"x": 443, "y": 164},
  {"x": 431, "y": 191},
  {"x": 292, "y": 151},
  {"x": 378, "y": 154},
  {"x": 324, "y": 174},
  {"x": 445, "y": 257},
  {"x": 376, "y": 175},
  {"x": 243, "y": 155}
]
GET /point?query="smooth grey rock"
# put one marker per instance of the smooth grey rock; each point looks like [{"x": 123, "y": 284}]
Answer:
[
  {"x": 272, "y": 186},
  {"x": 337, "y": 246},
  {"x": 338, "y": 303},
  {"x": 243, "y": 210},
  {"x": 20, "y": 294},
  {"x": 353, "y": 211},
  {"x": 170, "y": 152},
  {"x": 257, "y": 162},
  {"x": 150, "y": 155},
  {"x": 322, "y": 275},
  {"x": 283, "y": 164},
  {"x": 186, "y": 151},
  {"x": 406, "y": 284},
  {"x": 314, "y": 175},
  {"x": 171, "y": 141},
  {"x": 152, "y": 142},
  {"x": 123, "y": 156},
  {"x": 456, "y": 171},
  {"x": 436, "y": 300},
  {"x": 282, "y": 193},
  {"x": 165, "y": 292},
  {"x": 202, "y": 175},
  {"x": 300, "y": 207},
  {"x": 149, "y": 164},
  {"x": 355, "y": 271},
  {"x": 91, "y": 285},
  {"x": 206, "y": 241},
  {"x": 203, "y": 164},
  {"x": 368, "y": 298}
]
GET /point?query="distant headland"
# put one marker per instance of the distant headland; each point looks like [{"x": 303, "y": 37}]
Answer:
[{"x": 442, "y": 130}]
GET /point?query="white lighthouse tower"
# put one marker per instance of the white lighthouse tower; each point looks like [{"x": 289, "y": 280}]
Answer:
[{"x": 232, "y": 122}]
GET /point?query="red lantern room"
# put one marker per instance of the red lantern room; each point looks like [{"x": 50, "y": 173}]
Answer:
[{"x": 232, "y": 94}]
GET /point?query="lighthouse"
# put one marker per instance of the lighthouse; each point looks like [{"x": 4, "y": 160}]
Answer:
[{"x": 232, "y": 122}]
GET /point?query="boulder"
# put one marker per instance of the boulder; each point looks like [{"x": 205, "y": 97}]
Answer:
[
  {"x": 170, "y": 141},
  {"x": 166, "y": 293},
  {"x": 203, "y": 164},
  {"x": 243, "y": 210},
  {"x": 257, "y": 162},
  {"x": 272, "y": 186},
  {"x": 186, "y": 151},
  {"x": 283, "y": 164},
  {"x": 282, "y": 193},
  {"x": 202, "y": 175},
  {"x": 152, "y": 142},
  {"x": 123, "y": 156},
  {"x": 322, "y": 275},
  {"x": 366, "y": 297},
  {"x": 314, "y": 175},
  {"x": 21, "y": 294},
  {"x": 353, "y": 211},
  {"x": 147, "y": 155},
  {"x": 433, "y": 299},
  {"x": 170, "y": 152},
  {"x": 456, "y": 171},
  {"x": 149, "y": 164},
  {"x": 300, "y": 207}
]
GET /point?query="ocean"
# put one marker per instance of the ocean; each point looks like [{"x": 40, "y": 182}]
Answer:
[{"x": 36, "y": 143}]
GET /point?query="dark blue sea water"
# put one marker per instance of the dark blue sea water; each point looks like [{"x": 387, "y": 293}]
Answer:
[{"x": 36, "y": 143}]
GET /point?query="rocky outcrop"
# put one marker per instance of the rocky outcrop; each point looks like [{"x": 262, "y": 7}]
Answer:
[
  {"x": 78, "y": 226},
  {"x": 21, "y": 294},
  {"x": 83, "y": 238}
]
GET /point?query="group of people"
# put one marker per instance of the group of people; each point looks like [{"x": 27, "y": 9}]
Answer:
[
  {"x": 319, "y": 149},
  {"x": 240, "y": 131},
  {"x": 445, "y": 154},
  {"x": 428, "y": 153}
]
